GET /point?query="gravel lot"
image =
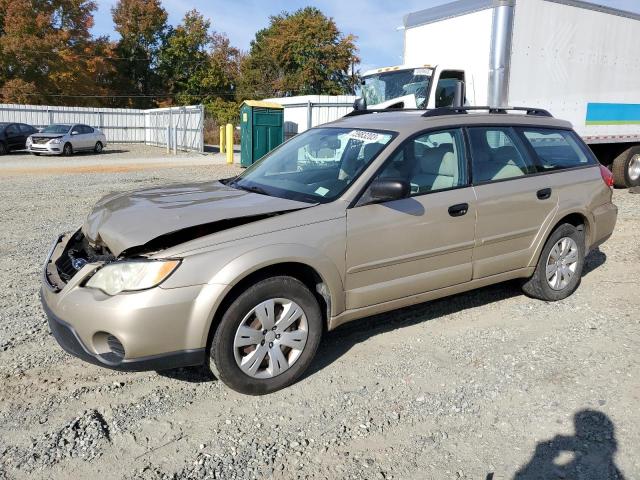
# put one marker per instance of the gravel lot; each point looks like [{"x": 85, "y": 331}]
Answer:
[{"x": 484, "y": 385}]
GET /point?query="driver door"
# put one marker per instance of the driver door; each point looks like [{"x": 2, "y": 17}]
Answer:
[{"x": 417, "y": 244}]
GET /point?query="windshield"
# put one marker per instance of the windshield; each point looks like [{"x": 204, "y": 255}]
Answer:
[
  {"x": 386, "y": 86},
  {"x": 56, "y": 129},
  {"x": 316, "y": 166}
]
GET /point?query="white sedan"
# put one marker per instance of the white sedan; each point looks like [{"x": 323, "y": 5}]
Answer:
[{"x": 62, "y": 139}]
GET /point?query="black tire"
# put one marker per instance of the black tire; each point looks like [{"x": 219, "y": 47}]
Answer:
[
  {"x": 98, "y": 147},
  {"x": 67, "y": 150},
  {"x": 36, "y": 154},
  {"x": 3, "y": 148},
  {"x": 222, "y": 359},
  {"x": 621, "y": 168},
  {"x": 537, "y": 286}
]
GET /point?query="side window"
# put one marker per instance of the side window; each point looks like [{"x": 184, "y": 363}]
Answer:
[
  {"x": 556, "y": 149},
  {"x": 446, "y": 88},
  {"x": 26, "y": 129},
  {"x": 87, "y": 129},
  {"x": 496, "y": 154},
  {"x": 430, "y": 162},
  {"x": 12, "y": 130}
]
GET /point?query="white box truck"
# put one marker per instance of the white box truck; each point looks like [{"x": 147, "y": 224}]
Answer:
[{"x": 578, "y": 60}]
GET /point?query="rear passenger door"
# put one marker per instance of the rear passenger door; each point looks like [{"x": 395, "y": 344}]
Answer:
[
  {"x": 414, "y": 245},
  {"x": 514, "y": 204}
]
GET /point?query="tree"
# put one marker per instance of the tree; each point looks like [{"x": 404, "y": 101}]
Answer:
[
  {"x": 142, "y": 25},
  {"x": 200, "y": 66},
  {"x": 47, "y": 53},
  {"x": 298, "y": 54}
]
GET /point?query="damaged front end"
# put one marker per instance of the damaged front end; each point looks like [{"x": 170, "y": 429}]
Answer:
[{"x": 68, "y": 255}]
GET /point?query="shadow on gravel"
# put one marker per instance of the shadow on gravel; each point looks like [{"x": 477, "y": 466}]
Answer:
[
  {"x": 189, "y": 374},
  {"x": 595, "y": 259},
  {"x": 587, "y": 455},
  {"x": 339, "y": 341}
]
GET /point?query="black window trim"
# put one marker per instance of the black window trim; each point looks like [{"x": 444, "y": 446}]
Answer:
[
  {"x": 525, "y": 154},
  {"x": 588, "y": 154},
  {"x": 534, "y": 159},
  {"x": 402, "y": 145}
]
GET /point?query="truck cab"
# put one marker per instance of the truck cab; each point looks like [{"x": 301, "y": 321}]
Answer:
[{"x": 412, "y": 86}]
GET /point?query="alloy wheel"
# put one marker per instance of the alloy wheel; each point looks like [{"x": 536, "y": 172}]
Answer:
[
  {"x": 634, "y": 168},
  {"x": 270, "y": 338},
  {"x": 562, "y": 263}
]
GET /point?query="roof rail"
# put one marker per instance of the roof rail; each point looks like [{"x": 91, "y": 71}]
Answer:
[
  {"x": 355, "y": 113},
  {"x": 437, "y": 112}
]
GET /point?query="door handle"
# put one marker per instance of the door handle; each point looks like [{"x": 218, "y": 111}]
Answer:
[
  {"x": 544, "y": 193},
  {"x": 459, "y": 209}
]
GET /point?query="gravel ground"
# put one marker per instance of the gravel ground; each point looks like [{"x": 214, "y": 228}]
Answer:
[{"x": 485, "y": 385}]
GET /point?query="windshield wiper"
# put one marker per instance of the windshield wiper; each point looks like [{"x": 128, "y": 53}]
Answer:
[{"x": 251, "y": 188}]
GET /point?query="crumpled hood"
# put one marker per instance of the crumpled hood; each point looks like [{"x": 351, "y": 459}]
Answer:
[{"x": 131, "y": 219}]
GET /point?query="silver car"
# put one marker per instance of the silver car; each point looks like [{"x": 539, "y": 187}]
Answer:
[{"x": 65, "y": 139}]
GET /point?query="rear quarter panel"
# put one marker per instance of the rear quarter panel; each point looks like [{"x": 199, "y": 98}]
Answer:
[{"x": 580, "y": 191}]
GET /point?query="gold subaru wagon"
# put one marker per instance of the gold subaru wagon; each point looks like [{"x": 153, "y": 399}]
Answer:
[{"x": 370, "y": 213}]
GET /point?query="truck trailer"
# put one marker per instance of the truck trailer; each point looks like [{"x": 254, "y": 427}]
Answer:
[{"x": 577, "y": 60}]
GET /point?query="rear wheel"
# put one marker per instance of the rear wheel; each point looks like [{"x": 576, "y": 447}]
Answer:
[
  {"x": 67, "y": 150},
  {"x": 98, "y": 147},
  {"x": 267, "y": 337},
  {"x": 3, "y": 148},
  {"x": 626, "y": 168},
  {"x": 559, "y": 268}
]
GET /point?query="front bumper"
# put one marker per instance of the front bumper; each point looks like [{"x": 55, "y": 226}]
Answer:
[
  {"x": 158, "y": 328},
  {"x": 46, "y": 148},
  {"x": 69, "y": 340}
]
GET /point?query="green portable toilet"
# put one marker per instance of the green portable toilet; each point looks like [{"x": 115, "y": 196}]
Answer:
[{"x": 261, "y": 129}]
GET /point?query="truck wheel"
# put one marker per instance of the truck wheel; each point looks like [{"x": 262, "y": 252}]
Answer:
[
  {"x": 559, "y": 268},
  {"x": 267, "y": 337},
  {"x": 626, "y": 168}
]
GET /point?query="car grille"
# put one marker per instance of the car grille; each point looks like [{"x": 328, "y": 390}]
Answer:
[
  {"x": 64, "y": 264},
  {"x": 39, "y": 140},
  {"x": 77, "y": 254}
]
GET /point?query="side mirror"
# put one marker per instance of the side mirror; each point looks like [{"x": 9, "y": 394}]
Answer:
[
  {"x": 360, "y": 104},
  {"x": 388, "y": 189},
  {"x": 75, "y": 132},
  {"x": 458, "y": 96}
]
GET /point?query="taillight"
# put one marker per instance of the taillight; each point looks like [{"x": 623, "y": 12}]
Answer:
[{"x": 607, "y": 176}]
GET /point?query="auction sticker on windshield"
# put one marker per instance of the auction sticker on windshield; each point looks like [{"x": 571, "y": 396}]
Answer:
[
  {"x": 365, "y": 136},
  {"x": 422, "y": 72}
]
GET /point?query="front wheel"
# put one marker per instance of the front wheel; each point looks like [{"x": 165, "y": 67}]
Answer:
[
  {"x": 267, "y": 337},
  {"x": 3, "y": 148},
  {"x": 559, "y": 268},
  {"x": 67, "y": 150}
]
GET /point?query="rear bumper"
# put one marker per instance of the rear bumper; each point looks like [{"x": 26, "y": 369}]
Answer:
[
  {"x": 604, "y": 221},
  {"x": 69, "y": 340}
]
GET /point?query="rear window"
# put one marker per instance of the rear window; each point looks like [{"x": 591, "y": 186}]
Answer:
[{"x": 556, "y": 149}]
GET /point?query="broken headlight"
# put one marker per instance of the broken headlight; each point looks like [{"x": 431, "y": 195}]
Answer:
[{"x": 131, "y": 275}]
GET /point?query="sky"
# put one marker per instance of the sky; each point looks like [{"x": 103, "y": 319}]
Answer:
[{"x": 375, "y": 23}]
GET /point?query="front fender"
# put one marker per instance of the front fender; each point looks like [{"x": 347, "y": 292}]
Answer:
[{"x": 246, "y": 264}]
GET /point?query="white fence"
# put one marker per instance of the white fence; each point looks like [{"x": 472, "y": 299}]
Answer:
[
  {"x": 176, "y": 128},
  {"x": 306, "y": 111}
]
